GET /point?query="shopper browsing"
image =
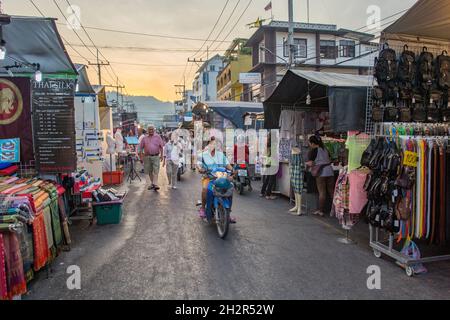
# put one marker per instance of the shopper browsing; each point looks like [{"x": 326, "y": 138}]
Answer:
[{"x": 321, "y": 169}]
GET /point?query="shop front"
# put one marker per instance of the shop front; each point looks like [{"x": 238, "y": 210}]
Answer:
[
  {"x": 39, "y": 180},
  {"x": 308, "y": 103},
  {"x": 410, "y": 150}
]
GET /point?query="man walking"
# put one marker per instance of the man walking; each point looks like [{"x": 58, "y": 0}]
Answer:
[
  {"x": 151, "y": 148},
  {"x": 172, "y": 152}
]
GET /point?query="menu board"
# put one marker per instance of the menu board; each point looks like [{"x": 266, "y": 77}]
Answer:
[{"x": 54, "y": 125}]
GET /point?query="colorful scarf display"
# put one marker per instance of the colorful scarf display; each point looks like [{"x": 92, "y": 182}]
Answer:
[
  {"x": 14, "y": 266},
  {"x": 41, "y": 253}
]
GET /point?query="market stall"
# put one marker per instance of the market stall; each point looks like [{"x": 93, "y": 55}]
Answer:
[
  {"x": 40, "y": 186},
  {"x": 410, "y": 123},
  {"x": 309, "y": 102}
]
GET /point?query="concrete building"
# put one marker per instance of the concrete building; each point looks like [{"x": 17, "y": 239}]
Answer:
[
  {"x": 238, "y": 59},
  {"x": 204, "y": 86},
  {"x": 319, "y": 47}
]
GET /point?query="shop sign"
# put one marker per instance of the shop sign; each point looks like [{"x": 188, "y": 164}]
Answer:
[
  {"x": 10, "y": 151},
  {"x": 54, "y": 125},
  {"x": 250, "y": 78}
]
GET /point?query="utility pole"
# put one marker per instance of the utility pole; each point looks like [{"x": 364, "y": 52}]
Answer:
[
  {"x": 291, "y": 33},
  {"x": 197, "y": 61},
  {"x": 99, "y": 65},
  {"x": 117, "y": 87},
  {"x": 307, "y": 8}
]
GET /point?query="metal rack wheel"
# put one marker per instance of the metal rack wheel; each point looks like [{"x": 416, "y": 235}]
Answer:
[
  {"x": 409, "y": 271},
  {"x": 377, "y": 254}
]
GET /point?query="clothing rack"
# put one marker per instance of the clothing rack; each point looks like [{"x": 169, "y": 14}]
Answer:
[
  {"x": 380, "y": 248},
  {"x": 382, "y": 128}
]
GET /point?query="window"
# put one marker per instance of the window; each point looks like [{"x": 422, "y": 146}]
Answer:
[
  {"x": 213, "y": 68},
  {"x": 300, "y": 48},
  {"x": 347, "y": 49},
  {"x": 328, "y": 49}
]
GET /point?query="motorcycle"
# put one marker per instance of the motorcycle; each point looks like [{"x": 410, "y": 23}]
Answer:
[
  {"x": 242, "y": 179},
  {"x": 219, "y": 200}
]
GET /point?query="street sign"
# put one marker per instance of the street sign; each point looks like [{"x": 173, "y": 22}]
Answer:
[{"x": 250, "y": 78}]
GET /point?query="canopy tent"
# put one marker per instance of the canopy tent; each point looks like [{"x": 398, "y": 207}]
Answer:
[
  {"x": 32, "y": 40},
  {"x": 84, "y": 85},
  {"x": 343, "y": 95},
  {"x": 230, "y": 110},
  {"x": 427, "y": 18}
]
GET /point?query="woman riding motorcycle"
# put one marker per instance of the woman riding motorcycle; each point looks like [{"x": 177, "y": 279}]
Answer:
[{"x": 211, "y": 159}]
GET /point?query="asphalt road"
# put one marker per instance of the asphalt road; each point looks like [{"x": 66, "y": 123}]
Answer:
[{"x": 163, "y": 251}]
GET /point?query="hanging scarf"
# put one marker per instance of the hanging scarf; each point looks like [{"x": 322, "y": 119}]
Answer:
[
  {"x": 3, "y": 286},
  {"x": 41, "y": 253},
  {"x": 14, "y": 266}
]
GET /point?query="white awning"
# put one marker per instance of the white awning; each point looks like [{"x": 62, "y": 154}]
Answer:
[
  {"x": 427, "y": 18},
  {"x": 330, "y": 79}
]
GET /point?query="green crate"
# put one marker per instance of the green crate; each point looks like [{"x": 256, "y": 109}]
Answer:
[{"x": 108, "y": 212}]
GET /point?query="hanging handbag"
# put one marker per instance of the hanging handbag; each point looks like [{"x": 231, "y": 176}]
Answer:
[
  {"x": 419, "y": 113},
  {"x": 406, "y": 179},
  {"x": 368, "y": 153},
  {"x": 391, "y": 114},
  {"x": 404, "y": 208},
  {"x": 405, "y": 114},
  {"x": 377, "y": 113}
]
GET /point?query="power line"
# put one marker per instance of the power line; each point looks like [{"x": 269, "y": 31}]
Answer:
[
  {"x": 143, "y": 34},
  {"x": 62, "y": 13},
  {"x": 213, "y": 28},
  {"x": 145, "y": 49},
  {"x": 226, "y": 23},
  {"x": 99, "y": 64},
  {"x": 64, "y": 40},
  {"x": 235, "y": 25}
]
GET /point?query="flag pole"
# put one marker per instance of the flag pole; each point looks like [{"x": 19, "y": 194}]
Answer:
[{"x": 271, "y": 10}]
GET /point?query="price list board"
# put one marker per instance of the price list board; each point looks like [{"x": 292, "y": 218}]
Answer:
[{"x": 54, "y": 125}]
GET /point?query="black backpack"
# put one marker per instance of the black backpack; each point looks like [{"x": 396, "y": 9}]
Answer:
[
  {"x": 425, "y": 70},
  {"x": 386, "y": 65},
  {"x": 407, "y": 69},
  {"x": 442, "y": 68}
]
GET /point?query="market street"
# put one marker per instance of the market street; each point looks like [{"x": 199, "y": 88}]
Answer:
[{"x": 163, "y": 251}]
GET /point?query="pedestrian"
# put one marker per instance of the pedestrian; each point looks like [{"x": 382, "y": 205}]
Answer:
[
  {"x": 151, "y": 148},
  {"x": 320, "y": 164},
  {"x": 269, "y": 177},
  {"x": 172, "y": 154},
  {"x": 142, "y": 133}
]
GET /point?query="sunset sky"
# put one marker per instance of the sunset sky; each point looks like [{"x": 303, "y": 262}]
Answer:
[{"x": 153, "y": 65}]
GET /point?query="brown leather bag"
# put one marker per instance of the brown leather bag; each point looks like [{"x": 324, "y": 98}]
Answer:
[{"x": 403, "y": 208}]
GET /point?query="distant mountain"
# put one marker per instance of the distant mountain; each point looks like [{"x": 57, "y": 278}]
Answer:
[{"x": 149, "y": 108}]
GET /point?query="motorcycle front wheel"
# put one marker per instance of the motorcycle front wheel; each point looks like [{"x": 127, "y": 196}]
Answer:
[{"x": 223, "y": 221}]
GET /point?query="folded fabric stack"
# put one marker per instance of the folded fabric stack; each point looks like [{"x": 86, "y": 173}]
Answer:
[
  {"x": 107, "y": 195},
  {"x": 31, "y": 229},
  {"x": 8, "y": 169}
]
